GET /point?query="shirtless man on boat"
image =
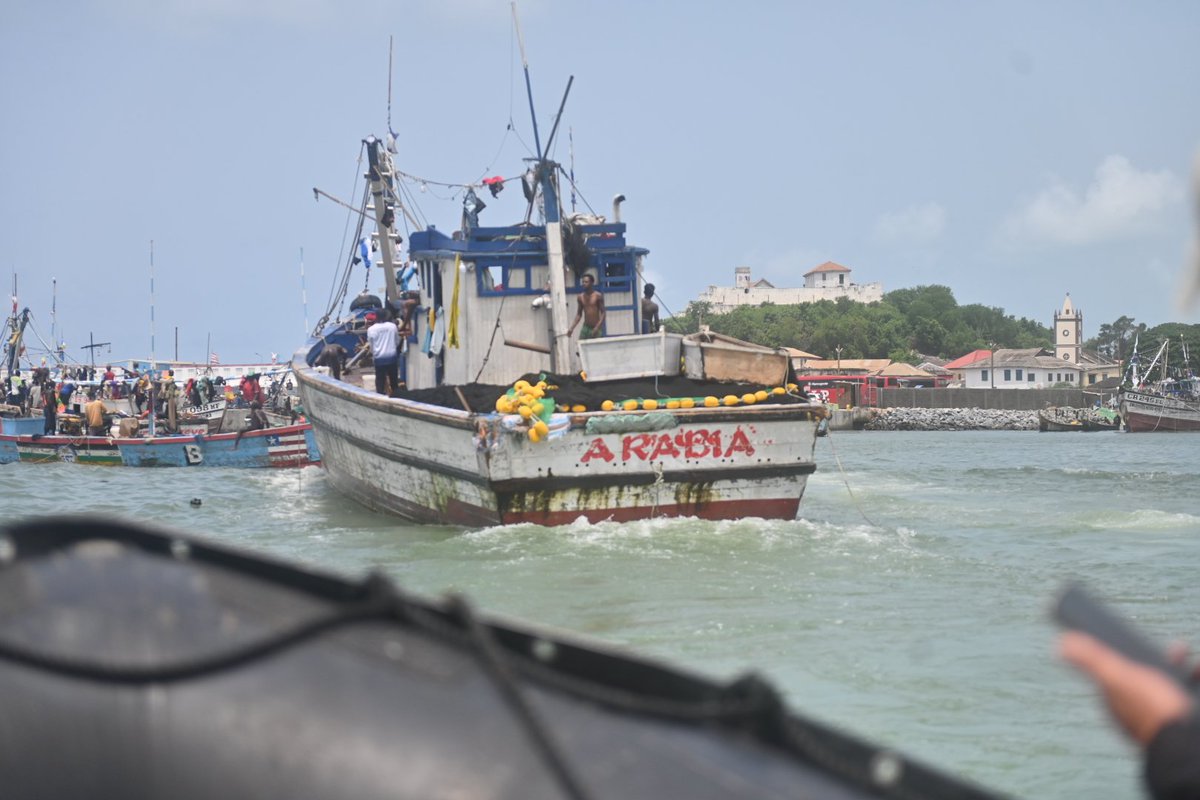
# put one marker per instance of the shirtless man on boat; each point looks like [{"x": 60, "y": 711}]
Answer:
[{"x": 590, "y": 309}]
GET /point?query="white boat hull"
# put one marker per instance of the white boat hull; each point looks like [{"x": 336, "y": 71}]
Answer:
[{"x": 433, "y": 464}]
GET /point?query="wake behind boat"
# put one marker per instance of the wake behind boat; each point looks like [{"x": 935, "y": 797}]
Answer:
[{"x": 504, "y": 417}]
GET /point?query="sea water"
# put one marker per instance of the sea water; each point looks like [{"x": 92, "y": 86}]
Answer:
[{"x": 908, "y": 606}]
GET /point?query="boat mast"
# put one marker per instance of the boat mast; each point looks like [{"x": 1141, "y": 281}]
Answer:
[
  {"x": 381, "y": 179},
  {"x": 560, "y": 350},
  {"x": 18, "y": 323},
  {"x": 1157, "y": 356}
]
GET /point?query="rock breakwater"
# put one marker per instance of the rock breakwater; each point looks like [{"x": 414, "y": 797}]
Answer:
[{"x": 952, "y": 419}]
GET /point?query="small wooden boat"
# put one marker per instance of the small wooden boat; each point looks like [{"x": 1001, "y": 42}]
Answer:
[
  {"x": 1059, "y": 419},
  {"x": 286, "y": 446},
  {"x": 715, "y": 357}
]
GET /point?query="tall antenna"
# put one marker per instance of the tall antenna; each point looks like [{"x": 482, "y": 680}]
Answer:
[
  {"x": 389, "y": 104},
  {"x": 303, "y": 290},
  {"x": 528, "y": 86},
  {"x": 571, "y": 152},
  {"x": 54, "y": 311},
  {"x": 153, "y": 362}
]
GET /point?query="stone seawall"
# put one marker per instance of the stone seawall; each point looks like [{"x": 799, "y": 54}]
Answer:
[{"x": 952, "y": 419}]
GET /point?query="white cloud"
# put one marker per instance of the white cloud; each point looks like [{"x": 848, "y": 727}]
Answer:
[
  {"x": 914, "y": 225},
  {"x": 1121, "y": 201}
]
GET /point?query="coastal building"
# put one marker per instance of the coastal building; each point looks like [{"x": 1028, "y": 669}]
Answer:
[
  {"x": 1068, "y": 346},
  {"x": 1027, "y": 368},
  {"x": 1038, "y": 368},
  {"x": 846, "y": 366},
  {"x": 800, "y": 358},
  {"x": 828, "y": 281}
]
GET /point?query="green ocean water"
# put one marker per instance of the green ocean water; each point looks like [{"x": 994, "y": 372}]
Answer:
[{"x": 908, "y": 605}]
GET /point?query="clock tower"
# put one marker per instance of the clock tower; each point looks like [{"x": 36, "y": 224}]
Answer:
[{"x": 1068, "y": 332}]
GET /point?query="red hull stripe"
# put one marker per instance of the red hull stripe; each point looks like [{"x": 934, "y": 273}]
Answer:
[
  {"x": 779, "y": 508},
  {"x": 1137, "y": 422}
]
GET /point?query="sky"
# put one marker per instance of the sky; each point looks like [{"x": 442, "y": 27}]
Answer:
[{"x": 1013, "y": 151}]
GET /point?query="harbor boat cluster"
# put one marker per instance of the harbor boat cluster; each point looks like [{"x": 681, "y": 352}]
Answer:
[{"x": 145, "y": 418}]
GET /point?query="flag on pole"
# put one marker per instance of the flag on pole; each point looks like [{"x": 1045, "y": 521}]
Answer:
[{"x": 213, "y": 360}]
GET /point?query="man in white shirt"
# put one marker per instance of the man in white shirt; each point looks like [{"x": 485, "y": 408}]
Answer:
[{"x": 384, "y": 339}]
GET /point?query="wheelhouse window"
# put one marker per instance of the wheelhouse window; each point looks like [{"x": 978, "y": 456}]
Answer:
[
  {"x": 505, "y": 277},
  {"x": 616, "y": 274}
]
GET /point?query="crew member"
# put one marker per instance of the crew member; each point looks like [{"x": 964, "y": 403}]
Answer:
[
  {"x": 333, "y": 356},
  {"x": 94, "y": 411},
  {"x": 384, "y": 339},
  {"x": 590, "y": 305},
  {"x": 649, "y": 309}
]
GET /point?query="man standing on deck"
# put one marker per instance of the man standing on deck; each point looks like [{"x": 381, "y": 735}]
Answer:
[
  {"x": 649, "y": 310},
  {"x": 49, "y": 408},
  {"x": 170, "y": 396},
  {"x": 590, "y": 309},
  {"x": 385, "y": 344},
  {"x": 94, "y": 411}
]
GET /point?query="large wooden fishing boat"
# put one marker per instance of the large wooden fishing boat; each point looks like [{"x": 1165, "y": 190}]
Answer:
[
  {"x": 630, "y": 438},
  {"x": 1170, "y": 403},
  {"x": 1148, "y": 411}
]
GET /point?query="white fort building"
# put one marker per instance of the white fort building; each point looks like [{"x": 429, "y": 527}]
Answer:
[{"x": 829, "y": 281}]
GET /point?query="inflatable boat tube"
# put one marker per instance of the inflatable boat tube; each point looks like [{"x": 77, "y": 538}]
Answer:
[{"x": 140, "y": 663}]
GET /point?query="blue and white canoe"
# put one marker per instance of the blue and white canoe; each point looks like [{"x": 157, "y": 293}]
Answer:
[{"x": 286, "y": 446}]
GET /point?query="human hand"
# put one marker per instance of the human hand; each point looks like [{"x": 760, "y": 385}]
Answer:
[{"x": 1142, "y": 699}]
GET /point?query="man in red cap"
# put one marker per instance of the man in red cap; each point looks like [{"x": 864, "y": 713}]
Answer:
[{"x": 384, "y": 339}]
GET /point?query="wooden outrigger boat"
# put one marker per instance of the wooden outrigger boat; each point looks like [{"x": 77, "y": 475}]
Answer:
[{"x": 285, "y": 446}]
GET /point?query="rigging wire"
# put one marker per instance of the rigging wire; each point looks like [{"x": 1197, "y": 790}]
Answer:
[{"x": 846, "y": 481}]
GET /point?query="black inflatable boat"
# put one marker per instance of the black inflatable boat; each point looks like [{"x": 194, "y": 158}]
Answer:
[{"x": 137, "y": 663}]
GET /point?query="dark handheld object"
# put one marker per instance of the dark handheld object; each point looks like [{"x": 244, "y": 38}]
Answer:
[{"x": 1078, "y": 610}]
